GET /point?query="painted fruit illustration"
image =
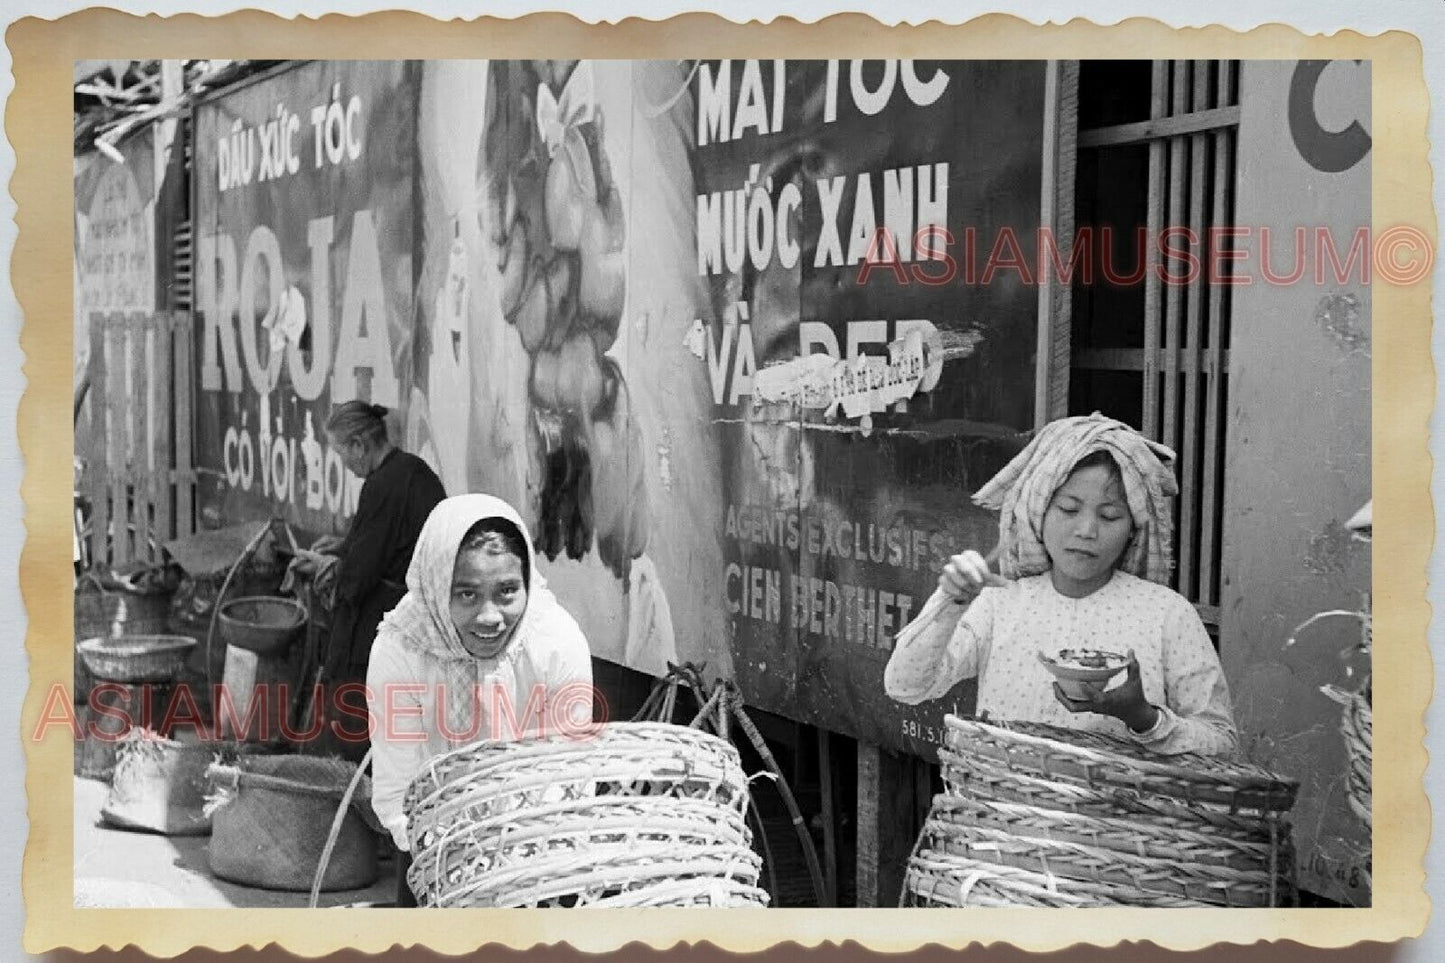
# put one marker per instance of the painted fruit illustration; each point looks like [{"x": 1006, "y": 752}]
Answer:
[
  {"x": 571, "y": 191},
  {"x": 556, "y": 217},
  {"x": 619, "y": 485}
]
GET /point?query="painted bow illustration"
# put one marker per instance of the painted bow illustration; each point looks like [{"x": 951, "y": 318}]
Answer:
[
  {"x": 575, "y": 106},
  {"x": 286, "y": 320}
]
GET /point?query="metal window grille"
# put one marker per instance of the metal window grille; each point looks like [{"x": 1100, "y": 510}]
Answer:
[{"x": 1177, "y": 360}]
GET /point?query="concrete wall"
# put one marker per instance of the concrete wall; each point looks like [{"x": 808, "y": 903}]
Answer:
[{"x": 1299, "y": 446}]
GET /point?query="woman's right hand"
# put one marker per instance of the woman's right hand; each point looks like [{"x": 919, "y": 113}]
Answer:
[
  {"x": 327, "y": 544},
  {"x": 967, "y": 574}
]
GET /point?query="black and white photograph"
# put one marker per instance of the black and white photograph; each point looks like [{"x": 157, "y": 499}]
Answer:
[
  {"x": 735, "y": 484},
  {"x": 914, "y": 432}
]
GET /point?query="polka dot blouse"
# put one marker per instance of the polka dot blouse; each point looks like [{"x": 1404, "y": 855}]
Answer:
[{"x": 999, "y": 637}]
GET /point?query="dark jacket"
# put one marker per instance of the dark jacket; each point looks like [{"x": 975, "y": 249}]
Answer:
[{"x": 395, "y": 500}]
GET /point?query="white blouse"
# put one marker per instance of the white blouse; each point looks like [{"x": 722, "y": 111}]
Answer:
[
  {"x": 999, "y": 636},
  {"x": 544, "y": 685}
]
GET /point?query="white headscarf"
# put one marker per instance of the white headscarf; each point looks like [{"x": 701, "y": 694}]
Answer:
[{"x": 422, "y": 620}]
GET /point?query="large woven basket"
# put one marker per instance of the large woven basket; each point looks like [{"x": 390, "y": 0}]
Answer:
[
  {"x": 941, "y": 880},
  {"x": 1156, "y": 839},
  {"x": 641, "y": 814},
  {"x": 1092, "y": 759},
  {"x": 1118, "y": 852},
  {"x": 1036, "y": 815},
  {"x": 102, "y": 612},
  {"x": 269, "y": 820},
  {"x": 982, "y": 778}
]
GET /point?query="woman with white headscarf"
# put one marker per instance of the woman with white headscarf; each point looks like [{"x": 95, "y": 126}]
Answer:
[{"x": 479, "y": 648}]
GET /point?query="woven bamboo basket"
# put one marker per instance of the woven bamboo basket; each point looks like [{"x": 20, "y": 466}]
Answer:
[
  {"x": 1356, "y": 726},
  {"x": 102, "y": 612},
  {"x": 269, "y": 821},
  {"x": 1154, "y": 839},
  {"x": 643, "y": 814},
  {"x": 1092, "y": 759},
  {"x": 1188, "y": 869},
  {"x": 136, "y": 658},
  {"x": 1091, "y": 820},
  {"x": 978, "y": 778},
  {"x": 943, "y": 880}
]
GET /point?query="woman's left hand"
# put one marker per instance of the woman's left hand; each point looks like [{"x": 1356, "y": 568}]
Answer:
[{"x": 1125, "y": 702}]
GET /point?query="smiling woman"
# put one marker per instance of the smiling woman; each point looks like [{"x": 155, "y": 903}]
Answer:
[
  {"x": 478, "y": 649},
  {"x": 489, "y": 586}
]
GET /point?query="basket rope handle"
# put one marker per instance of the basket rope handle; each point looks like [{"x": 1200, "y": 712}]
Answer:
[
  {"x": 649, "y": 703},
  {"x": 224, "y": 784},
  {"x": 336, "y": 822},
  {"x": 707, "y": 709},
  {"x": 233, "y": 778},
  {"x": 760, "y": 831},
  {"x": 913, "y": 853},
  {"x": 224, "y": 776},
  {"x": 221, "y": 598},
  {"x": 810, "y": 853}
]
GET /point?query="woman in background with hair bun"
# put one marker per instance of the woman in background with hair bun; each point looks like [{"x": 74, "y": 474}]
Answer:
[{"x": 398, "y": 492}]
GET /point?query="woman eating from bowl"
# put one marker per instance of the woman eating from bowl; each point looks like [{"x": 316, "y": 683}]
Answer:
[
  {"x": 1084, "y": 536},
  {"x": 479, "y": 648}
]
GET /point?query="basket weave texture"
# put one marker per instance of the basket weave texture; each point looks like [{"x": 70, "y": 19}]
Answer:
[
  {"x": 136, "y": 658},
  {"x": 637, "y": 814},
  {"x": 101, "y": 612},
  {"x": 1036, "y": 815},
  {"x": 1093, "y": 759},
  {"x": 1356, "y": 727}
]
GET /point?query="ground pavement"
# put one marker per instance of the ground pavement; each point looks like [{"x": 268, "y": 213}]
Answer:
[{"x": 120, "y": 868}]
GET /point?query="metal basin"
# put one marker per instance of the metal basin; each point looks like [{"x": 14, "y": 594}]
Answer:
[{"x": 264, "y": 624}]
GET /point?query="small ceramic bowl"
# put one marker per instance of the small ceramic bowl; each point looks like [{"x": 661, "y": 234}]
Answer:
[{"x": 1084, "y": 673}]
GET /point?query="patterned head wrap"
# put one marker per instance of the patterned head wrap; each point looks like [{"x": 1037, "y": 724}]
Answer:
[{"x": 1022, "y": 490}]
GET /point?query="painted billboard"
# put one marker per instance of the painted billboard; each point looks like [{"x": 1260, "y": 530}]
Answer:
[
  {"x": 114, "y": 269},
  {"x": 720, "y": 330},
  {"x": 304, "y": 227},
  {"x": 115, "y": 231}
]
